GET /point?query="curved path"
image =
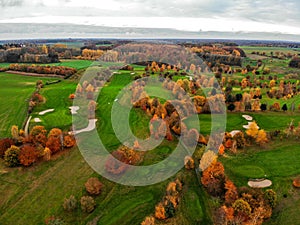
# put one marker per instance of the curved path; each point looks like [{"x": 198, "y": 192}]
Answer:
[{"x": 91, "y": 126}]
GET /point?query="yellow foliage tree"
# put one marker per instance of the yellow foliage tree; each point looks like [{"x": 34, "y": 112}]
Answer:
[
  {"x": 253, "y": 130},
  {"x": 261, "y": 137},
  {"x": 207, "y": 159}
]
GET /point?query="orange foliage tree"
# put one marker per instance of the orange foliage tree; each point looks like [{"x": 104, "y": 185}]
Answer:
[
  {"x": 54, "y": 144},
  {"x": 231, "y": 194},
  {"x": 28, "y": 155},
  {"x": 213, "y": 179}
]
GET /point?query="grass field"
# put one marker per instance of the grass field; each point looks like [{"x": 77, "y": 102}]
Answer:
[
  {"x": 279, "y": 162},
  {"x": 77, "y": 64},
  {"x": 15, "y": 92}
]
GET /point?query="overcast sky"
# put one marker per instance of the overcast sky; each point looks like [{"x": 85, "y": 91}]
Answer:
[{"x": 191, "y": 15}]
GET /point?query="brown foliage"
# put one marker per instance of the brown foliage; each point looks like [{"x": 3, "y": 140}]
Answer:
[
  {"x": 28, "y": 155},
  {"x": 160, "y": 212},
  {"x": 93, "y": 186},
  {"x": 5, "y": 144},
  {"x": 54, "y": 144},
  {"x": 148, "y": 221},
  {"x": 38, "y": 135},
  {"x": 189, "y": 163},
  {"x": 69, "y": 141},
  {"x": 231, "y": 194},
  {"x": 213, "y": 179},
  {"x": 296, "y": 182}
]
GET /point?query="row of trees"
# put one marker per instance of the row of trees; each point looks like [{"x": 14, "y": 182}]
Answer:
[{"x": 57, "y": 70}]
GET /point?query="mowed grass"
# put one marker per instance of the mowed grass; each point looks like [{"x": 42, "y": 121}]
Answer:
[
  {"x": 15, "y": 92},
  {"x": 269, "y": 121},
  {"x": 279, "y": 161},
  {"x": 57, "y": 98},
  {"x": 77, "y": 64}
]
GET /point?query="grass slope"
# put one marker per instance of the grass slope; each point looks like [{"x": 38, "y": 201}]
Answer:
[{"x": 15, "y": 92}]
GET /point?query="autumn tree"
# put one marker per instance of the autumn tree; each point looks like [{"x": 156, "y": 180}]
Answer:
[
  {"x": 11, "y": 156},
  {"x": 70, "y": 204},
  {"x": 271, "y": 197},
  {"x": 5, "y": 144},
  {"x": 213, "y": 179},
  {"x": 55, "y": 132},
  {"x": 47, "y": 154},
  {"x": 242, "y": 207},
  {"x": 39, "y": 135},
  {"x": 208, "y": 159},
  {"x": 149, "y": 220},
  {"x": 160, "y": 212},
  {"x": 87, "y": 203},
  {"x": 93, "y": 186},
  {"x": 54, "y": 144},
  {"x": 261, "y": 137},
  {"x": 15, "y": 132},
  {"x": 253, "y": 130},
  {"x": 69, "y": 141},
  {"x": 231, "y": 194},
  {"x": 189, "y": 163},
  {"x": 28, "y": 155}
]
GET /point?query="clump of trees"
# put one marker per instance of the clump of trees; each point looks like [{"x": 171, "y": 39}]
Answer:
[
  {"x": 56, "y": 70},
  {"x": 26, "y": 150}
]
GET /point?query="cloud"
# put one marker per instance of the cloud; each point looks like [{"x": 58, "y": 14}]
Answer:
[
  {"x": 273, "y": 12},
  {"x": 11, "y": 3}
]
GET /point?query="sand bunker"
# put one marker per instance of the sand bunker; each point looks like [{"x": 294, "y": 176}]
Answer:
[
  {"x": 74, "y": 109},
  {"x": 260, "y": 183},
  {"x": 249, "y": 118},
  {"x": 46, "y": 111}
]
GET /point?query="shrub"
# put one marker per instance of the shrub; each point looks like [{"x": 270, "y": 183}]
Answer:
[
  {"x": 11, "y": 156},
  {"x": 87, "y": 204},
  {"x": 5, "y": 144},
  {"x": 28, "y": 155},
  {"x": 70, "y": 204},
  {"x": 93, "y": 186},
  {"x": 271, "y": 197},
  {"x": 69, "y": 141},
  {"x": 54, "y": 144},
  {"x": 148, "y": 221}
]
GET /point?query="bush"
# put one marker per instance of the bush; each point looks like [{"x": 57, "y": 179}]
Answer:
[
  {"x": 11, "y": 156},
  {"x": 5, "y": 144},
  {"x": 28, "y": 155},
  {"x": 93, "y": 186},
  {"x": 271, "y": 197},
  {"x": 87, "y": 204},
  {"x": 70, "y": 204}
]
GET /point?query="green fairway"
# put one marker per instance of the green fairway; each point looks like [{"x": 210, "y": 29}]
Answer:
[
  {"x": 278, "y": 162},
  {"x": 77, "y": 64},
  {"x": 15, "y": 92}
]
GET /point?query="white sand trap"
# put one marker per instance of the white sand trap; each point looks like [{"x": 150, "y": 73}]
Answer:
[
  {"x": 116, "y": 100},
  {"x": 90, "y": 127},
  {"x": 46, "y": 111},
  {"x": 74, "y": 109},
  {"x": 132, "y": 73},
  {"x": 248, "y": 126},
  {"x": 249, "y": 118},
  {"x": 260, "y": 184},
  {"x": 234, "y": 132},
  {"x": 37, "y": 120}
]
